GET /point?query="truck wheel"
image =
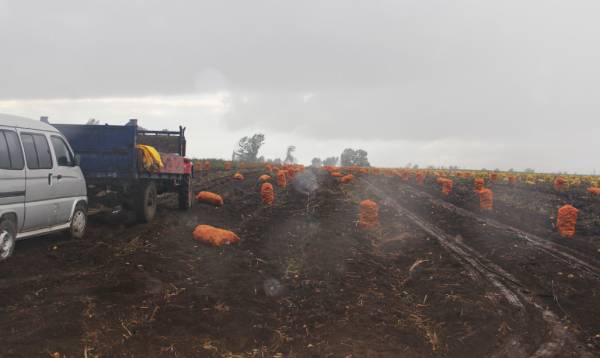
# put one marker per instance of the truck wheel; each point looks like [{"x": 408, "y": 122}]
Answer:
[
  {"x": 78, "y": 221},
  {"x": 186, "y": 194},
  {"x": 146, "y": 202},
  {"x": 8, "y": 234}
]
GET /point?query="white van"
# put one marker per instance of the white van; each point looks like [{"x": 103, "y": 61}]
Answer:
[{"x": 42, "y": 188}]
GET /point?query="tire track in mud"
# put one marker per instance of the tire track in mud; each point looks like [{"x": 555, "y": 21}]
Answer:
[
  {"x": 562, "y": 277},
  {"x": 354, "y": 250},
  {"x": 474, "y": 263},
  {"x": 560, "y": 252},
  {"x": 474, "y": 286},
  {"x": 471, "y": 260},
  {"x": 560, "y": 341}
]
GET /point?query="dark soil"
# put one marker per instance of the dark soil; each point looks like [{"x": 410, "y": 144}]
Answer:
[
  {"x": 533, "y": 209},
  {"x": 304, "y": 281},
  {"x": 570, "y": 293}
]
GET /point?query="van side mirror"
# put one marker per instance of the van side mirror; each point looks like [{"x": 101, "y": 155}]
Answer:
[
  {"x": 77, "y": 161},
  {"x": 62, "y": 161}
]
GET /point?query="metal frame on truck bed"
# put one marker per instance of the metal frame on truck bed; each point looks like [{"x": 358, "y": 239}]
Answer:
[{"x": 114, "y": 170}]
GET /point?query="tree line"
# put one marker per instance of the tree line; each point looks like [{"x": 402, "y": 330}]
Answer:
[{"x": 247, "y": 149}]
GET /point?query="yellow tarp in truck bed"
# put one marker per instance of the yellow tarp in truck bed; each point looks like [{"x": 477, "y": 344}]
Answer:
[{"x": 151, "y": 157}]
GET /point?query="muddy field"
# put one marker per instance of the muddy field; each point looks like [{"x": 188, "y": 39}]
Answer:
[{"x": 436, "y": 278}]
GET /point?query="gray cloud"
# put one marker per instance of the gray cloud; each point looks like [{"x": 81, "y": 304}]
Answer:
[{"x": 504, "y": 73}]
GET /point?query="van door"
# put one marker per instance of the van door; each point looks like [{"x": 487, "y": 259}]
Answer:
[
  {"x": 69, "y": 182},
  {"x": 41, "y": 209},
  {"x": 12, "y": 175}
]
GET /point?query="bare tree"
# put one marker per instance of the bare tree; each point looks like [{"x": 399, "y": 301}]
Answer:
[
  {"x": 352, "y": 157},
  {"x": 248, "y": 148},
  {"x": 289, "y": 157}
]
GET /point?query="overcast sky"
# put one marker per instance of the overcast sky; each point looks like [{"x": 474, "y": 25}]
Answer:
[{"x": 494, "y": 84}]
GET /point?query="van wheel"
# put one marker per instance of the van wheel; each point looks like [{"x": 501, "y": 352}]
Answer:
[
  {"x": 145, "y": 202},
  {"x": 186, "y": 194},
  {"x": 8, "y": 234},
  {"x": 78, "y": 222}
]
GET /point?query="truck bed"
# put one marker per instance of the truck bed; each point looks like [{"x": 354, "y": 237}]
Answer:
[{"x": 107, "y": 151}]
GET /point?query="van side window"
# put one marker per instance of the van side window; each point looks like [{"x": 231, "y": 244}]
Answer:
[
  {"x": 4, "y": 158},
  {"x": 37, "y": 151},
  {"x": 14, "y": 150},
  {"x": 43, "y": 151},
  {"x": 62, "y": 152}
]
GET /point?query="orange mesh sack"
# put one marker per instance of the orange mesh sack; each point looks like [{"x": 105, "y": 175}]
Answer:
[
  {"x": 263, "y": 178},
  {"x": 594, "y": 191},
  {"x": 347, "y": 179},
  {"x": 209, "y": 198},
  {"x": 560, "y": 184},
  {"x": 405, "y": 175},
  {"x": 281, "y": 179},
  {"x": 267, "y": 194},
  {"x": 486, "y": 199},
  {"x": 238, "y": 176},
  {"x": 369, "y": 214},
  {"x": 420, "y": 178},
  {"x": 214, "y": 236},
  {"x": 446, "y": 185},
  {"x": 479, "y": 182},
  {"x": 566, "y": 220},
  {"x": 290, "y": 173}
]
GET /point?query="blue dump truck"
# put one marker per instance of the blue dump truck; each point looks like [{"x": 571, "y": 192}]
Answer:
[{"x": 116, "y": 173}]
